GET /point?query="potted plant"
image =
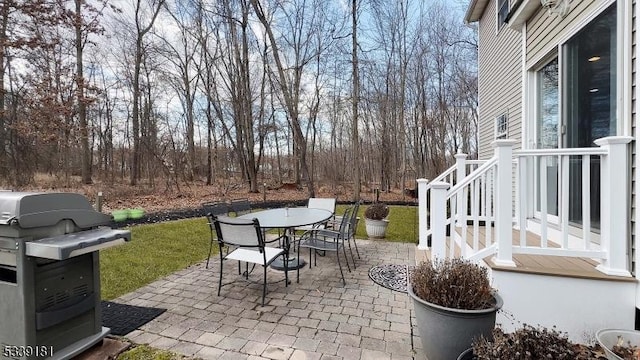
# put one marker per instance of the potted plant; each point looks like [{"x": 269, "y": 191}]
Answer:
[
  {"x": 620, "y": 344},
  {"x": 529, "y": 342},
  {"x": 454, "y": 303},
  {"x": 375, "y": 220}
]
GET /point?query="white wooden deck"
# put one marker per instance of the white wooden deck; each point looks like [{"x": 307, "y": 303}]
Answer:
[{"x": 536, "y": 264}]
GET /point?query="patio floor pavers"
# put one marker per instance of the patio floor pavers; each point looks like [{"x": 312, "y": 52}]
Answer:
[{"x": 318, "y": 318}]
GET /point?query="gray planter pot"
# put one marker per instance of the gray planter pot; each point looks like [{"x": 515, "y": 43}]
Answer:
[
  {"x": 607, "y": 338},
  {"x": 376, "y": 229},
  {"x": 445, "y": 332},
  {"x": 467, "y": 355}
]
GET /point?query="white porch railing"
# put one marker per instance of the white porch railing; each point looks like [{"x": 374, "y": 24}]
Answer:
[
  {"x": 456, "y": 171},
  {"x": 486, "y": 197}
]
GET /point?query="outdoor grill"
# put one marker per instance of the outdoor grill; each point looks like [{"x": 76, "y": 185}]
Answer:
[{"x": 50, "y": 274}]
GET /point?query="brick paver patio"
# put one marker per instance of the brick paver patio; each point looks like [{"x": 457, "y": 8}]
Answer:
[{"x": 318, "y": 318}]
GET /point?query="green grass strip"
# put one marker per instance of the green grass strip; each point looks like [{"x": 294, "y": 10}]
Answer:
[
  {"x": 155, "y": 251},
  {"x": 144, "y": 352},
  {"x": 403, "y": 223}
]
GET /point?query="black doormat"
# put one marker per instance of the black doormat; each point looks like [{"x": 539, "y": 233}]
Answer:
[
  {"x": 392, "y": 277},
  {"x": 123, "y": 319}
]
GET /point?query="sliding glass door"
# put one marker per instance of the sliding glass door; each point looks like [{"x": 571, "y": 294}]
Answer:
[
  {"x": 575, "y": 105},
  {"x": 590, "y": 98}
]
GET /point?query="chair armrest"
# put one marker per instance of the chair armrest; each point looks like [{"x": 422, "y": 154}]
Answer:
[
  {"x": 280, "y": 237},
  {"x": 320, "y": 232}
]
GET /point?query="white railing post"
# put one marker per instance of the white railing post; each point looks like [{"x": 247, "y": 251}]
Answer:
[
  {"x": 614, "y": 203},
  {"x": 461, "y": 173},
  {"x": 504, "y": 202},
  {"x": 423, "y": 213},
  {"x": 438, "y": 218}
]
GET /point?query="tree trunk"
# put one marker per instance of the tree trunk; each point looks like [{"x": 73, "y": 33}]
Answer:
[
  {"x": 81, "y": 101},
  {"x": 356, "y": 99}
]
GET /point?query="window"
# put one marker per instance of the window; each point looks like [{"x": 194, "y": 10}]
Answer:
[
  {"x": 548, "y": 106},
  {"x": 503, "y": 12},
  {"x": 502, "y": 127}
]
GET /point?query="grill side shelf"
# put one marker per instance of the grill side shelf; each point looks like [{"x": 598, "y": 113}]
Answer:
[{"x": 62, "y": 247}]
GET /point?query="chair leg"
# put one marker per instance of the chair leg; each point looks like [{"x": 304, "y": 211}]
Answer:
[
  {"x": 351, "y": 252},
  {"x": 346, "y": 259},
  {"x": 209, "y": 256},
  {"x": 220, "y": 280},
  {"x": 286, "y": 269},
  {"x": 264, "y": 284},
  {"x": 340, "y": 266},
  {"x": 356, "y": 246},
  {"x": 297, "y": 270}
]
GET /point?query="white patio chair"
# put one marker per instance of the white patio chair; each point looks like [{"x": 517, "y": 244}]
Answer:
[
  {"x": 246, "y": 235},
  {"x": 319, "y": 203}
]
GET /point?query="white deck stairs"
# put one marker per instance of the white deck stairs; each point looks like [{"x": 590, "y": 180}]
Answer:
[{"x": 547, "y": 274}]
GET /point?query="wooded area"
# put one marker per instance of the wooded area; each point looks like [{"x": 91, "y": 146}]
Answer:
[{"x": 165, "y": 92}]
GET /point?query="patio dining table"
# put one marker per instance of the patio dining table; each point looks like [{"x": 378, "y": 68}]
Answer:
[{"x": 288, "y": 219}]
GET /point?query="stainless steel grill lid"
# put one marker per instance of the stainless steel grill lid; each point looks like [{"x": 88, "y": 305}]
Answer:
[{"x": 29, "y": 210}]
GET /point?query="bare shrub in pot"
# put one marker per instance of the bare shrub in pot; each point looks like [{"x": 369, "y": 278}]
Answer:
[
  {"x": 376, "y": 211},
  {"x": 454, "y": 303},
  {"x": 375, "y": 220},
  {"x": 531, "y": 343},
  {"x": 454, "y": 283}
]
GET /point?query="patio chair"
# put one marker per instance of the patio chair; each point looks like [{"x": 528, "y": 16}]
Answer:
[
  {"x": 353, "y": 226},
  {"x": 210, "y": 210},
  {"x": 327, "y": 240},
  {"x": 240, "y": 206},
  {"x": 319, "y": 203},
  {"x": 246, "y": 235}
]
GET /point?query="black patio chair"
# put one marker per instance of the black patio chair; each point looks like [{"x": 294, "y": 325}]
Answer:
[
  {"x": 327, "y": 240},
  {"x": 246, "y": 236},
  {"x": 211, "y": 209},
  {"x": 239, "y": 206},
  {"x": 353, "y": 227}
]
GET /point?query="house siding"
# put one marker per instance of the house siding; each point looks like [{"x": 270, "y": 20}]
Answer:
[
  {"x": 500, "y": 80},
  {"x": 544, "y": 32},
  {"x": 634, "y": 131}
]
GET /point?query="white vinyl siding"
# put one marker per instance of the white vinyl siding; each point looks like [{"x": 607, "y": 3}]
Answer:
[
  {"x": 499, "y": 82},
  {"x": 544, "y": 31},
  {"x": 634, "y": 131}
]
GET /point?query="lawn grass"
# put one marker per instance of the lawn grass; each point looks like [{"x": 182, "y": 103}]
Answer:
[
  {"x": 144, "y": 352},
  {"x": 155, "y": 251},
  {"x": 403, "y": 223}
]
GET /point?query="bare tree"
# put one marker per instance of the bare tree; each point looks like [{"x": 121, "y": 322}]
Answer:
[
  {"x": 305, "y": 21},
  {"x": 141, "y": 31}
]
